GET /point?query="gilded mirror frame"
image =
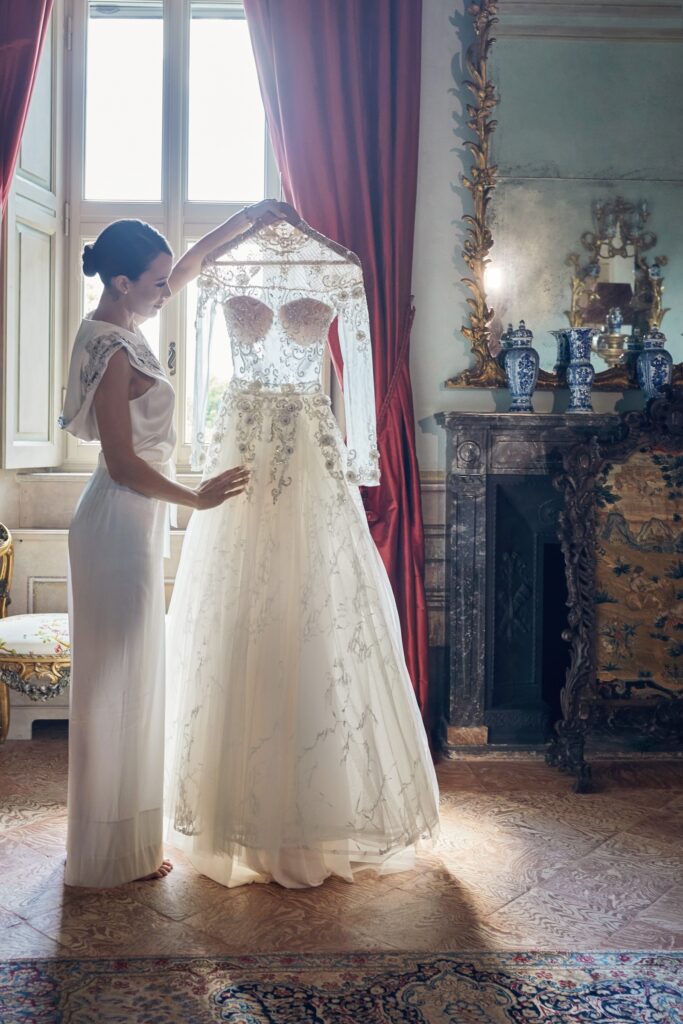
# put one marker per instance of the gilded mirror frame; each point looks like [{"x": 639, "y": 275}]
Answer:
[{"x": 481, "y": 183}]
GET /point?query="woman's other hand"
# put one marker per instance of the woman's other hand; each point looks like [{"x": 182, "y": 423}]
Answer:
[{"x": 217, "y": 489}]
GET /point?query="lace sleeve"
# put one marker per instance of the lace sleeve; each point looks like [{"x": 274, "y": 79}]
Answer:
[
  {"x": 359, "y": 393},
  {"x": 204, "y": 324}
]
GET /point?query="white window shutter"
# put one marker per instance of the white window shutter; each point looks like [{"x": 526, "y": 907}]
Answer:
[{"x": 32, "y": 308}]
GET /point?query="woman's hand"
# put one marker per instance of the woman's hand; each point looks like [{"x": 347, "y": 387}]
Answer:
[
  {"x": 268, "y": 211},
  {"x": 287, "y": 212},
  {"x": 217, "y": 489},
  {"x": 189, "y": 266}
]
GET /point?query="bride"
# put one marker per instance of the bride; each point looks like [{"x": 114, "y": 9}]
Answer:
[{"x": 295, "y": 746}]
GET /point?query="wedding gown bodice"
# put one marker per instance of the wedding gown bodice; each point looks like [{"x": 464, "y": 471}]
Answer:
[
  {"x": 282, "y": 347},
  {"x": 279, "y": 289}
]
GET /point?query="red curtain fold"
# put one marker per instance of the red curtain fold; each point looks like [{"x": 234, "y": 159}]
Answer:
[
  {"x": 23, "y": 25},
  {"x": 341, "y": 88}
]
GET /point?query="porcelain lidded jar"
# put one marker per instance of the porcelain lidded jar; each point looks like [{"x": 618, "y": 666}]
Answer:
[
  {"x": 654, "y": 365},
  {"x": 580, "y": 372},
  {"x": 521, "y": 368}
]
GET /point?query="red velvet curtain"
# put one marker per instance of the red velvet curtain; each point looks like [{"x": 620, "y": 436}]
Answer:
[
  {"x": 23, "y": 25},
  {"x": 341, "y": 88}
]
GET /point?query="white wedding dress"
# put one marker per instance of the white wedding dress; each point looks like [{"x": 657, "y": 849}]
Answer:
[{"x": 295, "y": 747}]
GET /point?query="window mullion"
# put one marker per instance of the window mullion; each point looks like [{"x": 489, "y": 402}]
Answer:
[
  {"x": 176, "y": 21},
  {"x": 176, "y": 24}
]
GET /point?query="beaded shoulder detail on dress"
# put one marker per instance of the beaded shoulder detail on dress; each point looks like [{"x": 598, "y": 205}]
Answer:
[
  {"x": 100, "y": 349},
  {"x": 94, "y": 358}
]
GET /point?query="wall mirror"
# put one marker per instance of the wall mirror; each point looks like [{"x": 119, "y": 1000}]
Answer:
[{"x": 576, "y": 182}]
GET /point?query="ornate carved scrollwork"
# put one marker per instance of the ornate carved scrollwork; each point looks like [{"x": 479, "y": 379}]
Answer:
[
  {"x": 6, "y": 567},
  {"x": 576, "y": 532},
  {"x": 486, "y": 372},
  {"x": 583, "y": 710},
  {"x": 39, "y": 680}
]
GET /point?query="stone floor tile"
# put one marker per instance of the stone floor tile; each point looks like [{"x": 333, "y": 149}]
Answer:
[
  {"x": 666, "y": 823},
  {"x": 645, "y": 853},
  {"x": 667, "y": 911},
  {"x": 643, "y": 935},
  {"x": 92, "y": 924},
  {"x": 20, "y": 809},
  {"x": 33, "y": 884},
  {"x": 255, "y": 920},
  {"x": 181, "y": 894},
  {"x": 607, "y": 886},
  {"x": 46, "y": 836},
  {"x": 24, "y": 942},
  {"x": 547, "y": 921}
]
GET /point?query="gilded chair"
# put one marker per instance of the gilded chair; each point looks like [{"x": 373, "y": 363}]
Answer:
[
  {"x": 35, "y": 653},
  {"x": 621, "y": 533}
]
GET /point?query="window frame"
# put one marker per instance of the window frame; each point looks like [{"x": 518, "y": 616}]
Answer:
[{"x": 177, "y": 217}]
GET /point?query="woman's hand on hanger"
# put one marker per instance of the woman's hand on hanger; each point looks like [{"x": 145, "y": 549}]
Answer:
[
  {"x": 189, "y": 266},
  {"x": 287, "y": 212}
]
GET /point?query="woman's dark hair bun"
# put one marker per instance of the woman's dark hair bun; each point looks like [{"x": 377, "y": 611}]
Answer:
[
  {"x": 124, "y": 247},
  {"x": 89, "y": 261}
]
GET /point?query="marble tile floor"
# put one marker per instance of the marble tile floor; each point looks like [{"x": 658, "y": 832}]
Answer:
[{"x": 523, "y": 863}]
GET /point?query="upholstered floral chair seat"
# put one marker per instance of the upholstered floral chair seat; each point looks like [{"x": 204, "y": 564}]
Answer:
[
  {"x": 35, "y": 636},
  {"x": 35, "y": 657},
  {"x": 35, "y": 650}
]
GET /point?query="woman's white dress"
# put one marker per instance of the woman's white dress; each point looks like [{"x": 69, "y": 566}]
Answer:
[
  {"x": 116, "y": 616},
  {"x": 295, "y": 747}
]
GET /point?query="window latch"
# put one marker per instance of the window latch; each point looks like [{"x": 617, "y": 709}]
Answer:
[{"x": 171, "y": 362}]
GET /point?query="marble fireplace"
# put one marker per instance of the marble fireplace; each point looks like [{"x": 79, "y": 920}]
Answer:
[{"x": 507, "y": 589}]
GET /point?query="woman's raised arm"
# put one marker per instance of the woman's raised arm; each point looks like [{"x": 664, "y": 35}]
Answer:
[{"x": 189, "y": 266}]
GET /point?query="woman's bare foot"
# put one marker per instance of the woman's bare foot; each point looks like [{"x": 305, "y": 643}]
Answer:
[{"x": 165, "y": 869}]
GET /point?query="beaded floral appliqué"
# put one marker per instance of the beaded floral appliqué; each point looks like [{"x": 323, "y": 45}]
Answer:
[{"x": 100, "y": 349}]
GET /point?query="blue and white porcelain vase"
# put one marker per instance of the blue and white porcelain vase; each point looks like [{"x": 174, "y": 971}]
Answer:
[
  {"x": 654, "y": 365},
  {"x": 521, "y": 361},
  {"x": 580, "y": 372},
  {"x": 562, "y": 357}
]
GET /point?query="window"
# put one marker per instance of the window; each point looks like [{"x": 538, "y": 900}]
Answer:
[{"x": 167, "y": 125}]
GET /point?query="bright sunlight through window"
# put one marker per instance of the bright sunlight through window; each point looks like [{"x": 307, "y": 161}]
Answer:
[
  {"x": 227, "y": 138},
  {"x": 123, "y": 125}
]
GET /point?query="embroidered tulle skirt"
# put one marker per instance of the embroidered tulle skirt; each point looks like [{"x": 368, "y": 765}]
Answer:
[{"x": 295, "y": 747}]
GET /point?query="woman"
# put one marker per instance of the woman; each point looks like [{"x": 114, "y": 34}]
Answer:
[{"x": 118, "y": 395}]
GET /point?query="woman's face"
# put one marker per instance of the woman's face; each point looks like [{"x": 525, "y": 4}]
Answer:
[{"x": 146, "y": 296}]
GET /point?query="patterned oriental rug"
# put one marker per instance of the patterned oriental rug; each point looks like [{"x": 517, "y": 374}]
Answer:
[{"x": 359, "y": 988}]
